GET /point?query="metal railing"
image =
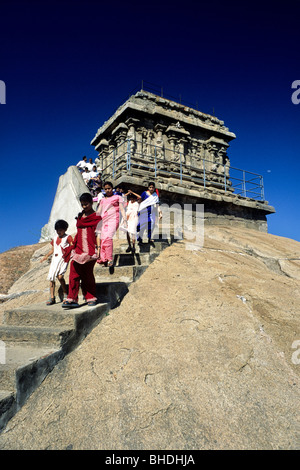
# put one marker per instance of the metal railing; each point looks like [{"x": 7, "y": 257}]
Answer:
[{"x": 159, "y": 161}]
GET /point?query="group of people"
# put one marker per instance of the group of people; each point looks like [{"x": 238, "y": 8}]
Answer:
[
  {"x": 93, "y": 242},
  {"x": 90, "y": 174}
]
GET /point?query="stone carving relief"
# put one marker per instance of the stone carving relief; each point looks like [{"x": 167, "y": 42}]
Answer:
[
  {"x": 131, "y": 134},
  {"x": 194, "y": 155},
  {"x": 187, "y": 150},
  {"x": 119, "y": 136},
  {"x": 159, "y": 142},
  {"x": 217, "y": 161},
  {"x": 145, "y": 137}
]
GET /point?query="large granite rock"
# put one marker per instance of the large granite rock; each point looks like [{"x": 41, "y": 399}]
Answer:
[
  {"x": 201, "y": 354},
  {"x": 66, "y": 203}
]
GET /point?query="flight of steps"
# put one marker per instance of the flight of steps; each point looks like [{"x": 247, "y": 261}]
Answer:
[{"x": 34, "y": 338}]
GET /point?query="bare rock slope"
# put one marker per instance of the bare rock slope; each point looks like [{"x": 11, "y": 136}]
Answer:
[{"x": 201, "y": 354}]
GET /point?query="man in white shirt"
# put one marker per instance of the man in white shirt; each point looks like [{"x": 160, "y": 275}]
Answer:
[
  {"x": 94, "y": 173},
  {"x": 82, "y": 164},
  {"x": 90, "y": 164},
  {"x": 94, "y": 180}
]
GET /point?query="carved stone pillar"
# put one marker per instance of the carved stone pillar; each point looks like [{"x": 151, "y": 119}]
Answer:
[
  {"x": 119, "y": 137},
  {"x": 159, "y": 143},
  {"x": 216, "y": 149},
  {"x": 150, "y": 146},
  {"x": 102, "y": 148},
  {"x": 139, "y": 141},
  {"x": 131, "y": 134},
  {"x": 171, "y": 153},
  {"x": 177, "y": 135},
  {"x": 110, "y": 156}
]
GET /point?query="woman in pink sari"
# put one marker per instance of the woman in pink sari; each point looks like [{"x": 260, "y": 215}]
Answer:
[
  {"x": 109, "y": 209},
  {"x": 83, "y": 255}
]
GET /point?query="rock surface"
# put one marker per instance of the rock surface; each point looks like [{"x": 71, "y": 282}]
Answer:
[
  {"x": 200, "y": 355},
  {"x": 22, "y": 277},
  {"x": 66, "y": 203},
  {"x": 13, "y": 264}
]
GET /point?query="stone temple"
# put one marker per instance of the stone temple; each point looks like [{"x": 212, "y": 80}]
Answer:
[{"x": 184, "y": 151}]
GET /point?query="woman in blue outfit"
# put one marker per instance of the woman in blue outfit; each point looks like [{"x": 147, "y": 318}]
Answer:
[{"x": 149, "y": 206}]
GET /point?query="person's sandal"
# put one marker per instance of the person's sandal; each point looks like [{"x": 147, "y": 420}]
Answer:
[
  {"x": 110, "y": 263},
  {"x": 51, "y": 301},
  {"x": 92, "y": 303},
  {"x": 70, "y": 304}
]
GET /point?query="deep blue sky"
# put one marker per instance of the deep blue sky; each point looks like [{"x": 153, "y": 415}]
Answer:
[{"x": 68, "y": 64}]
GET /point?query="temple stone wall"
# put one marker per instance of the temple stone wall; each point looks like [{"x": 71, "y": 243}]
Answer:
[
  {"x": 151, "y": 128},
  {"x": 184, "y": 151}
]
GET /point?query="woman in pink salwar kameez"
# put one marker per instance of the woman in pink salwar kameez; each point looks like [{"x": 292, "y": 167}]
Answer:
[
  {"x": 82, "y": 255},
  {"x": 109, "y": 209}
]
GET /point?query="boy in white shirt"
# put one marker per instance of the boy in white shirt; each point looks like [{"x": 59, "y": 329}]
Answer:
[
  {"x": 90, "y": 164},
  {"x": 82, "y": 164},
  {"x": 94, "y": 173},
  {"x": 86, "y": 175}
]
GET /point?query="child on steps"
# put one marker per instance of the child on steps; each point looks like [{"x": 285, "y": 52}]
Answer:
[
  {"x": 58, "y": 266},
  {"x": 132, "y": 219}
]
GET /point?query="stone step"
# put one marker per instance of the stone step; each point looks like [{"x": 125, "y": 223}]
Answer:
[
  {"x": 38, "y": 336},
  {"x": 125, "y": 274},
  {"x": 75, "y": 324},
  {"x": 55, "y": 337},
  {"x": 4, "y": 396},
  {"x": 8, "y": 407},
  {"x": 156, "y": 247},
  {"x": 26, "y": 368},
  {"x": 18, "y": 355},
  {"x": 7, "y": 377},
  {"x": 41, "y": 315},
  {"x": 31, "y": 352},
  {"x": 136, "y": 259},
  {"x": 112, "y": 292}
]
